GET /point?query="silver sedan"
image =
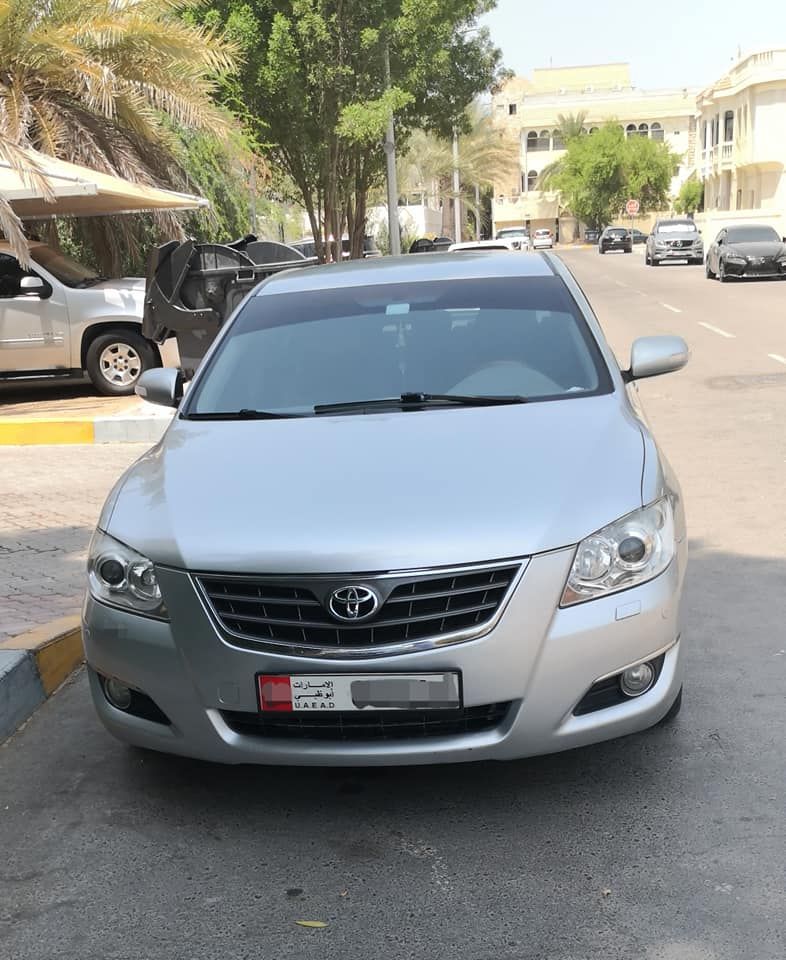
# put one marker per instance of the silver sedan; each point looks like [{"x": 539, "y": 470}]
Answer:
[{"x": 409, "y": 511}]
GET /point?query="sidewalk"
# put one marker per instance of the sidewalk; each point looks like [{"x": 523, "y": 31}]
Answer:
[{"x": 72, "y": 413}]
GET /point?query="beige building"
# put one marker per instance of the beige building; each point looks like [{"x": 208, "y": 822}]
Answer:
[
  {"x": 532, "y": 107},
  {"x": 742, "y": 144}
]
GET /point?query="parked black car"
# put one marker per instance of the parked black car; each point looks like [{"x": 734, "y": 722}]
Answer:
[
  {"x": 639, "y": 236},
  {"x": 591, "y": 235},
  {"x": 750, "y": 250},
  {"x": 615, "y": 238}
]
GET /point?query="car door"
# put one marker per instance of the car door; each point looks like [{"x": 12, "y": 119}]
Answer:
[{"x": 34, "y": 332}]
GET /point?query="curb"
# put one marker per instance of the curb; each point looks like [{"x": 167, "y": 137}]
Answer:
[
  {"x": 32, "y": 667},
  {"x": 25, "y": 431}
]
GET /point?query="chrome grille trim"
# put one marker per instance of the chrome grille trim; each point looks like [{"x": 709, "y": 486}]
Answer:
[{"x": 387, "y": 583}]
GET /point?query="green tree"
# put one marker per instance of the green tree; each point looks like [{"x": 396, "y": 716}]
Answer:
[
  {"x": 108, "y": 83},
  {"x": 599, "y": 172},
  {"x": 314, "y": 80},
  {"x": 691, "y": 196}
]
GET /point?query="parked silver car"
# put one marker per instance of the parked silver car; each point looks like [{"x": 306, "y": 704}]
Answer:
[{"x": 408, "y": 512}]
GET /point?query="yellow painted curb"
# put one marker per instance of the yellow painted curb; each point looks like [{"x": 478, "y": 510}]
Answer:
[
  {"x": 32, "y": 430},
  {"x": 56, "y": 648}
]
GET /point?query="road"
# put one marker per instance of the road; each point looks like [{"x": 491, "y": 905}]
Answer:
[{"x": 665, "y": 846}]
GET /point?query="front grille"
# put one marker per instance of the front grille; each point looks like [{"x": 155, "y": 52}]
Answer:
[
  {"x": 361, "y": 726},
  {"x": 681, "y": 244},
  {"x": 414, "y": 607}
]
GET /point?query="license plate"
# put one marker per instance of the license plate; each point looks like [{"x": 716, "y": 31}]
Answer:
[{"x": 290, "y": 693}]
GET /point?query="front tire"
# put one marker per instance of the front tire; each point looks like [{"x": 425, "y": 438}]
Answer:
[
  {"x": 721, "y": 272},
  {"x": 707, "y": 272},
  {"x": 117, "y": 359}
]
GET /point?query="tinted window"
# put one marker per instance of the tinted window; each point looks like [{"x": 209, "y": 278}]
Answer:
[
  {"x": 289, "y": 352},
  {"x": 617, "y": 233},
  {"x": 11, "y": 274},
  {"x": 751, "y": 235}
]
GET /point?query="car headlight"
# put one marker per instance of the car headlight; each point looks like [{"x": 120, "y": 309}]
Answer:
[
  {"x": 121, "y": 577},
  {"x": 630, "y": 551},
  {"x": 740, "y": 260},
  {"x": 660, "y": 244}
]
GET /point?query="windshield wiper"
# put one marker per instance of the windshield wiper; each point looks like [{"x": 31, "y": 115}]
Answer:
[
  {"x": 244, "y": 414},
  {"x": 418, "y": 400}
]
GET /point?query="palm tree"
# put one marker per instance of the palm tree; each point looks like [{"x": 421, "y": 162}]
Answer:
[
  {"x": 11, "y": 226},
  {"x": 569, "y": 127},
  {"x": 107, "y": 83},
  {"x": 486, "y": 155}
]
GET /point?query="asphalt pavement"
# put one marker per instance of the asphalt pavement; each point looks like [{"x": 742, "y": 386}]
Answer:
[{"x": 665, "y": 846}]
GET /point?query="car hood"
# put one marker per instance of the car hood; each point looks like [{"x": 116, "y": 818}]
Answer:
[
  {"x": 380, "y": 492},
  {"x": 761, "y": 248}
]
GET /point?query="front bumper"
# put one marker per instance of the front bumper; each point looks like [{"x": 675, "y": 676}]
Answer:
[
  {"x": 678, "y": 253},
  {"x": 540, "y": 658},
  {"x": 757, "y": 268}
]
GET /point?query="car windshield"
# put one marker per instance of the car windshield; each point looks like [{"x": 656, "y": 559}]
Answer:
[
  {"x": 289, "y": 353},
  {"x": 752, "y": 235},
  {"x": 542, "y": 233},
  {"x": 676, "y": 226},
  {"x": 67, "y": 271},
  {"x": 512, "y": 232}
]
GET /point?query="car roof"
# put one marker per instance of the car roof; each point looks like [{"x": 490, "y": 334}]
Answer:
[{"x": 491, "y": 264}]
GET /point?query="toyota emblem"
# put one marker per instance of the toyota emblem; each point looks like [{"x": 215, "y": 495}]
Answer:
[{"x": 353, "y": 604}]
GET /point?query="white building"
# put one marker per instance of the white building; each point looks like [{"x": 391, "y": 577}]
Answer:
[{"x": 742, "y": 144}]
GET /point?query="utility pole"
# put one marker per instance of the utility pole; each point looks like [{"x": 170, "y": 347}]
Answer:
[
  {"x": 477, "y": 211},
  {"x": 390, "y": 155},
  {"x": 456, "y": 190}
]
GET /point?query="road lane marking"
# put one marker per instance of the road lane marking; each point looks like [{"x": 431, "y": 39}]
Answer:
[
  {"x": 721, "y": 333},
  {"x": 668, "y": 306},
  {"x": 620, "y": 283},
  {"x": 777, "y": 357}
]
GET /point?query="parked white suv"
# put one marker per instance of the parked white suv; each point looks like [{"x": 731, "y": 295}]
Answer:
[{"x": 61, "y": 319}]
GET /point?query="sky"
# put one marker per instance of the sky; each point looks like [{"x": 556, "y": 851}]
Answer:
[{"x": 668, "y": 43}]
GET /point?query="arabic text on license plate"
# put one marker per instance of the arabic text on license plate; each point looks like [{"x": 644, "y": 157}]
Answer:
[{"x": 373, "y": 691}]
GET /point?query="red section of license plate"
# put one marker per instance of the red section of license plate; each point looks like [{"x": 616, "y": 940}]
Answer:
[{"x": 275, "y": 693}]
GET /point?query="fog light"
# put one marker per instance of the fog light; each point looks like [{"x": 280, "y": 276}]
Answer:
[
  {"x": 637, "y": 680},
  {"x": 117, "y": 693}
]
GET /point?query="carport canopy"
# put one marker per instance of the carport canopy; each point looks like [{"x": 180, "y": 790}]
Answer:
[{"x": 77, "y": 191}]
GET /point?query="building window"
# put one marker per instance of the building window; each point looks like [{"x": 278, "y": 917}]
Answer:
[
  {"x": 656, "y": 131},
  {"x": 545, "y": 140},
  {"x": 512, "y": 109},
  {"x": 557, "y": 143},
  {"x": 644, "y": 130},
  {"x": 538, "y": 142},
  {"x": 532, "y": 180},
  {"x": 728, "y": 126},
  {"x": 532, "y": 140},
  {"x": 631, "y": 130}
]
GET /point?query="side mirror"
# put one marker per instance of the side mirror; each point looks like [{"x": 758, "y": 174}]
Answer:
[
  {"x": 32, "y": 284},
  {"x": 161, "y": 385},
  {"x": 652, "y": 356},
  {"x": 719, "y": 241}
]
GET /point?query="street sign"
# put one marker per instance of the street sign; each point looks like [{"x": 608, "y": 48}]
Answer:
[{"x": 632, "y": 208}]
